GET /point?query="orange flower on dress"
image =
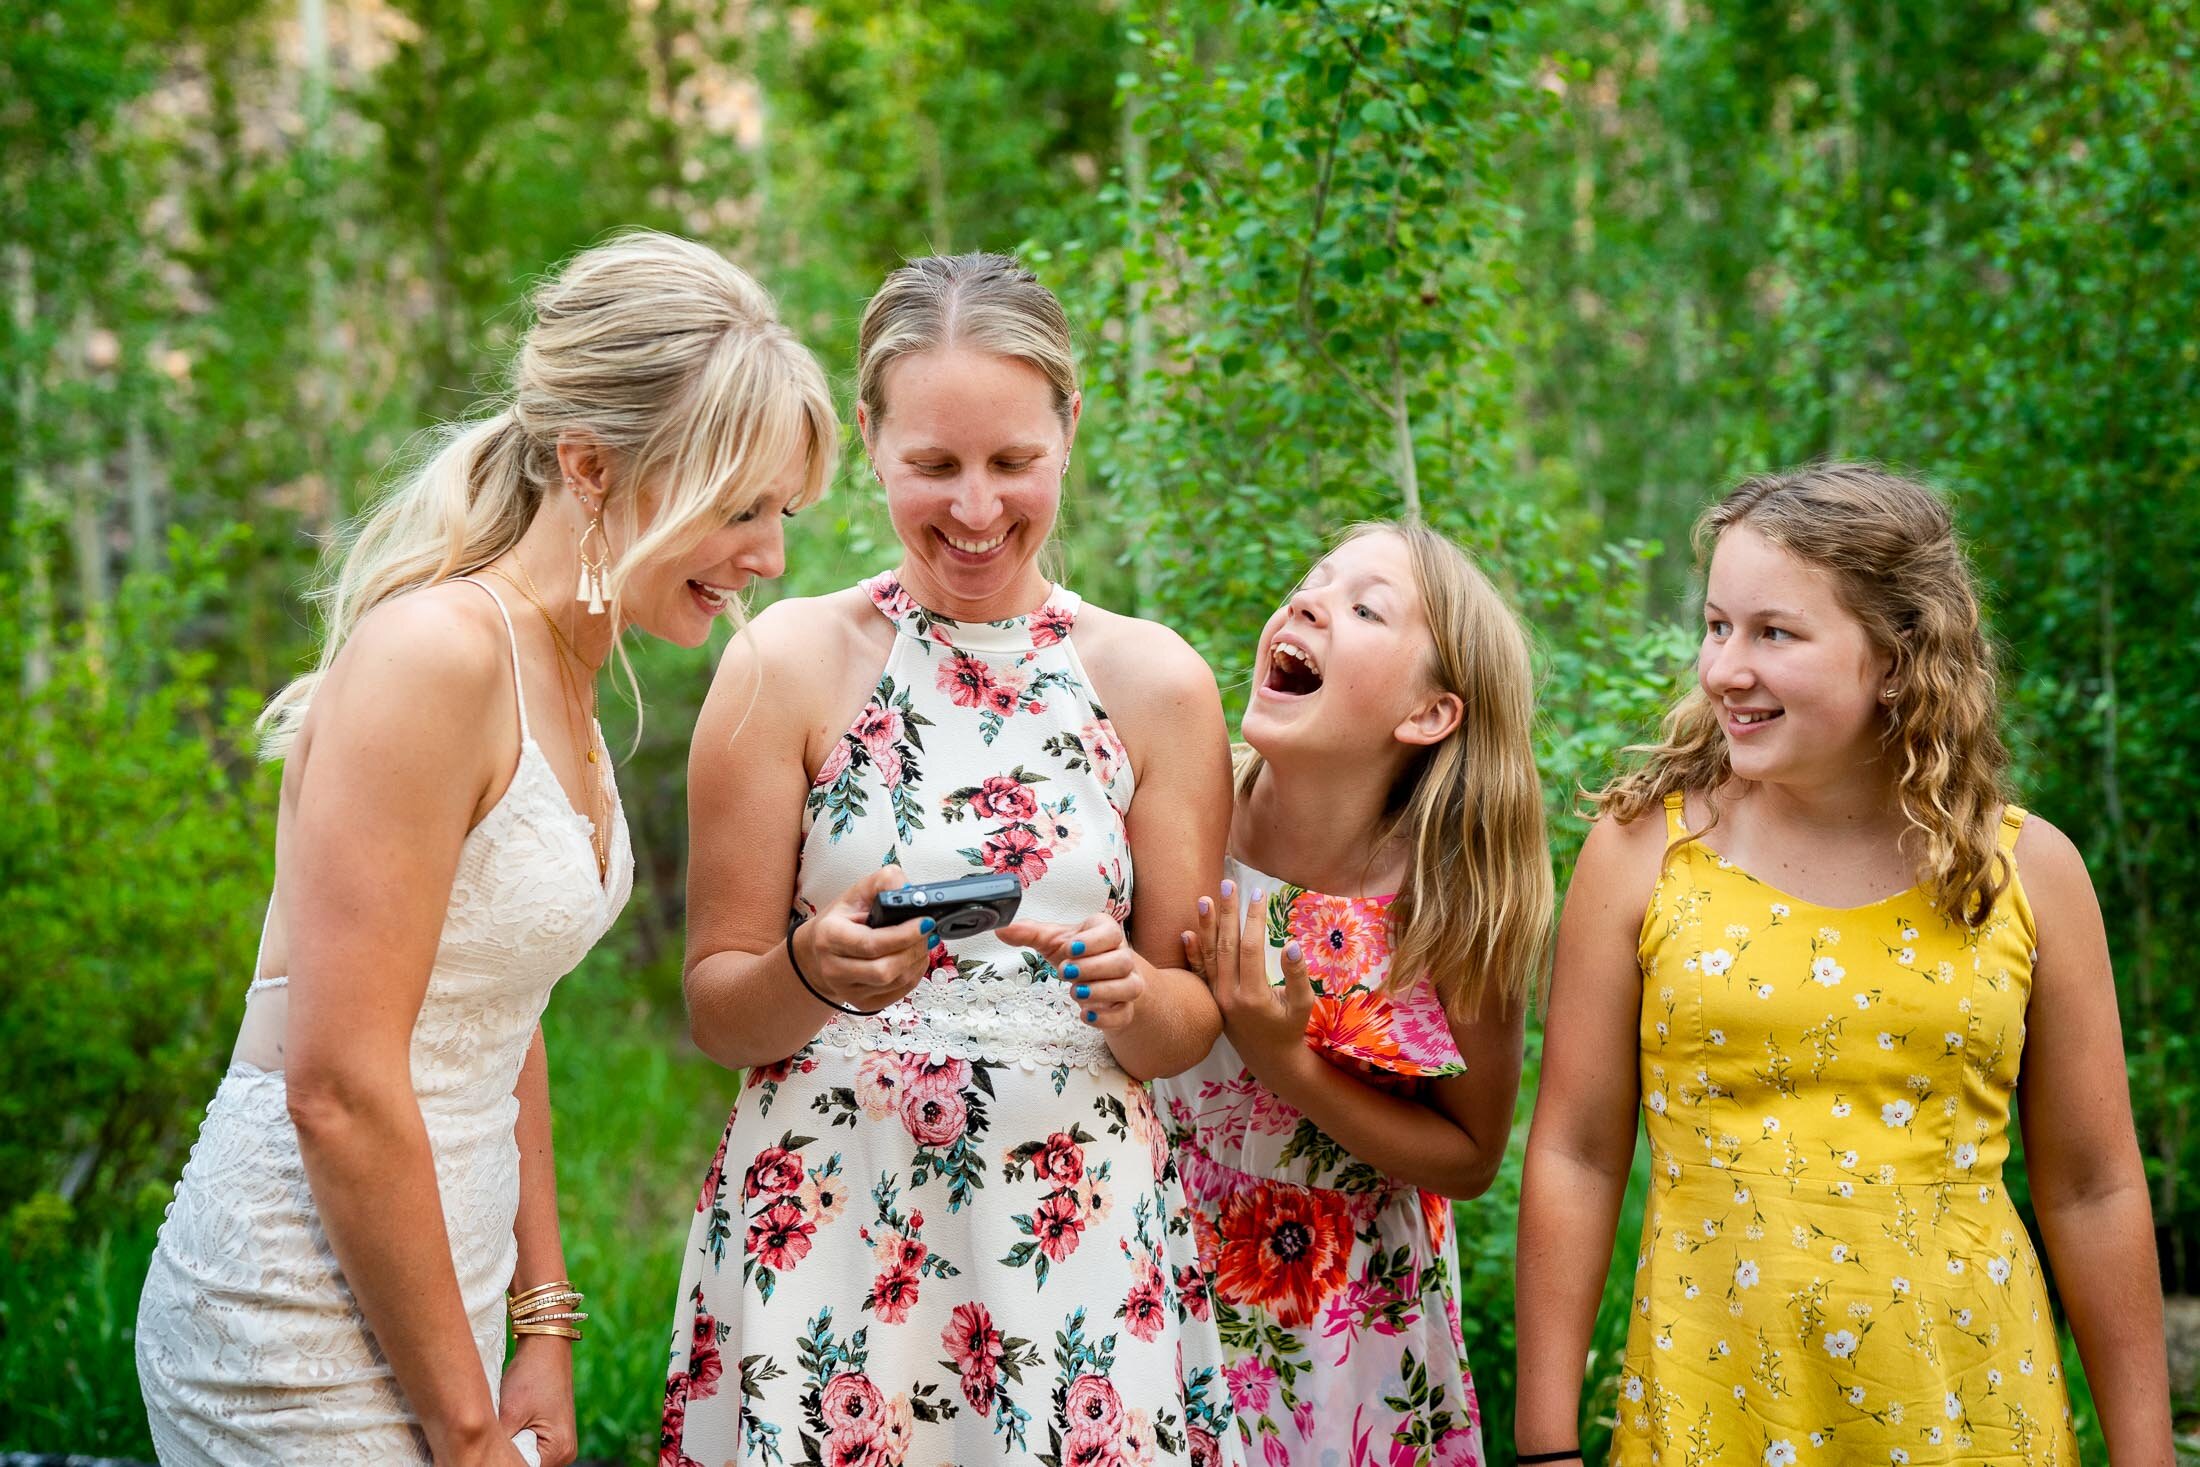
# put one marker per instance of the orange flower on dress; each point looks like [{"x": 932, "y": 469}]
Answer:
[
  {"x": 1283, "y": 1248},
  {"x": 1358, "y": 1027}
]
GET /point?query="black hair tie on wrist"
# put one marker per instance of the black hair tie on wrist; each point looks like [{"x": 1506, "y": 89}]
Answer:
[
  {"x": 1529, "y": 1459},
  {"x": 831, "y": 1003}
]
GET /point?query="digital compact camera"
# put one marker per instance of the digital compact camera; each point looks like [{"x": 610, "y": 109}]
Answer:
[{"x": 961, "y": 908}]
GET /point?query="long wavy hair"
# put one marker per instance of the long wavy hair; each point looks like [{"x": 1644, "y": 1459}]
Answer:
[
  {"x": 655, "y": 348},
  {"x": 1890, "y": 546},
  {"x": 1474, "y": 911}
]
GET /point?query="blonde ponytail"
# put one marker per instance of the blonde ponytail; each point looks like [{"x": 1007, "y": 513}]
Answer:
[{"x": 654, "y": 348}]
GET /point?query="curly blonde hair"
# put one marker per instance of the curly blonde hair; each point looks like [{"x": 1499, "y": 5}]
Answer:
[{"x": 1890, "y": 546}]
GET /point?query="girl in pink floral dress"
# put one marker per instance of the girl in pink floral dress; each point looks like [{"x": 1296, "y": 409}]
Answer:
[
  {"x": 1388, "y": 851},
  {"x": 943, "y": 1224}
]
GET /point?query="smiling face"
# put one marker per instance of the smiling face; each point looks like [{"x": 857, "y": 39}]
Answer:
[
  {"x": 1344, "y": 665},
  {"x": 1797, "y": 683},
  {"x": 971, "y": 451},
  {"x": 678, "y": 597}
]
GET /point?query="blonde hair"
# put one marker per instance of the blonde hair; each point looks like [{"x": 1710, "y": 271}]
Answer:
[
  {"x": 1890, "y": 546},
  {"x": 984, "y": 301},
  {"x": 655, "y": 348},
  {"x": 1474, "y": 911}
]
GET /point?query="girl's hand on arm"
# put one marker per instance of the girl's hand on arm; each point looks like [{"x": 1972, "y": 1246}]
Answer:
[
  {"x": 2082, "y": 1156},
  {"x": 1265, "y": 1022},
  {"x": 1583, "y": 1136}
]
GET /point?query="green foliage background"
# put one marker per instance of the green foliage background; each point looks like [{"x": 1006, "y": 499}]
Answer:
[{"x": 1549, "y": 273}]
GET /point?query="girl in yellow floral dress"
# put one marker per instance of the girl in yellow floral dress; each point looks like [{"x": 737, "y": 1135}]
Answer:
[
  {"x": 1809, "y": 938},
  {"x": 1388, "y": 852}
]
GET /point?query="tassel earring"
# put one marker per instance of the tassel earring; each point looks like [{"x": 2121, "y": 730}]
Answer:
[{"x": 593, "y": 571}]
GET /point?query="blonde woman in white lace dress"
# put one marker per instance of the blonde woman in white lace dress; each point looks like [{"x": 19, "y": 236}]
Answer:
[{"x": 375, "y": 1169}]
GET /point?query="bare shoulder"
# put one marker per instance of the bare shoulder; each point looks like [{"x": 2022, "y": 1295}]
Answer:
[
  {"x": 1619, "y": 863},
  {"x": 1142, "y": 667},
  {"x": 2052, "y": 869},
  {"x": 789, "y": 641},
  {"x": 436, "y": 654}
]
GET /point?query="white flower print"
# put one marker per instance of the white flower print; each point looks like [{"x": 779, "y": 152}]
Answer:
[
  {"x": 1906, "y": 957},
  {"x": 1955, "y": 1265},
  {"x": 1631, "y": 1387},
  {"x": 1909, "y": 934},
  {"x": 1897, "y": 1113},
  {"x": 1745, "y": 1274},
  {"x": 1954, "y": 1406},
  {"x": 1856, "y": 1395},
  {"x": 1764, "y": 990},
  {"x": 1779, "y": 909},
  {"x": 1780, "y": 1454},
  {"x": 1840, "y": 1253},
  {"x": 1848, "y": 1158},
  {"x": 1654, "y": 1102},
  {"x": 1825, "y": 971},
  {"x": 1840, "y": 1110},
  {"x": 1717, "y": 1036},
  {"x": 1863, "y": 1000},
  {"x": 1898, "y": 1456},
  {"x": 1886, "y": 1041},
  {"x": 1993, "y": 1377},
  {"x": 1717, "y": 961},
  {"x": 1997, "y": 1269},
  {"x": 1901, "y": 1284}
]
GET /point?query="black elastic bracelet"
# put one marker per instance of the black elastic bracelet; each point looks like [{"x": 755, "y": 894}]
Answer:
[
  {"x": 803, "y": 979},
  {"x": 1529, "y": 1459}
]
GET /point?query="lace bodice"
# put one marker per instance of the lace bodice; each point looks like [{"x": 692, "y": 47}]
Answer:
[{"x": 981, "y": 748}]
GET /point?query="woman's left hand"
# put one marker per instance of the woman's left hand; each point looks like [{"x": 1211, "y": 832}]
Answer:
[
  {"x": 1263, "y": 1021},
  {"x": 1104, "y": 972},
  {"x": 537, "y": 1396}
]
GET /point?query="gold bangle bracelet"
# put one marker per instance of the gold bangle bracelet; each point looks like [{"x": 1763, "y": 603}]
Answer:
[
  {"x": 519, "y": 1299},
  {"x": 560, "y": 1331}
]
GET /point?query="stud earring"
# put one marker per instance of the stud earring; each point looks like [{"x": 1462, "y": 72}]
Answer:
[{"x": 1888, "y": 693}]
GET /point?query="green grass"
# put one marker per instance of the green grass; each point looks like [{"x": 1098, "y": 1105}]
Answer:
[{"x": 638, "y": 1114}]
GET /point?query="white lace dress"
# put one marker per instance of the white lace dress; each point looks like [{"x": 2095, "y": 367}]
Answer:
[
  {"x": 250, "y": 1348},
  {"x": 952, "y": 1232}
]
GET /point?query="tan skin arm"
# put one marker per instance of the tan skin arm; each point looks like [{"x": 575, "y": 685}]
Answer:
[
  {"x": 2082, "y": 1156},
  {"x": 397, "y": 763},
  {"x": 1158, "y": 1016},
  {"x": 746, "y": 784},
  {"x": 537, "y": 1393},
  {"x": 1448, "y": 1139},
  {"x": 1582, "y": 1139}
]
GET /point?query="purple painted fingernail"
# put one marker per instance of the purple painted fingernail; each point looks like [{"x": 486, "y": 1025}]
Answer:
[
  {"x": 1258, "y": 893},
  {"x": 1291, "y": 949},
  {"x": 1206, "y": 906},
  {"x": 1229, "y": 888}
]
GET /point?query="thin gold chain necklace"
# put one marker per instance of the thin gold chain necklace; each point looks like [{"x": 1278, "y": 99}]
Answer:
[{"x": 599, "y": 839}]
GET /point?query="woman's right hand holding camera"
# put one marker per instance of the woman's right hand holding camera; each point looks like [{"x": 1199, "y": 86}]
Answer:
[{"x": 845, "y": 960}]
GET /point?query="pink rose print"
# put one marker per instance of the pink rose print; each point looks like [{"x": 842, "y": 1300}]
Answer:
[
  {"x": 1057, "y": 1222},
  {"x": 893, "y": 1293},
  {"x": 1105, "y": 749},
  {"x": 776, "y": 1172},
  {"x": 1062, "y": 1162},
  {"x": 889, "y": 771},
  {"x": 1144, "y": 1310},
  {"x": 836, "y": 763},
  {"x": 1015, "y": 851},
  {"x": 975, "y": 1351},
  {"x": 934, "y": 1119},
  {"x": 891, "y": 597},
  {"x": 1137, "y": 1448},
  {"x": 1205, "y": 1451},
  {"x": 1061, "y": 829},
  {"x": 855, "y": 1414},
  {"x": 1002, "y": 798},
  {"x": 715, "y": 1178},
  {"x": 1001, "y": 697},
  {"x": 965, "y": 680},
  {"x": 879, "y": 727},
  {"x": 1191, "y": 1287},
  {"x": 780, "y": 1235},
  {"x": 942, "y": 1077},
  {"x": 881, "y": 1082},
  {"x": 1049, "y": 624},
  {"x": 1095, "y": 1415}
]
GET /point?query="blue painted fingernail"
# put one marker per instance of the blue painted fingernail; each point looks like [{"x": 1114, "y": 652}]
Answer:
[
  {"x": 1205, "y": 906},
  {"x": 1229, "y": 888},
  {"x": 931, "y": 942},
  {"x": 1069, "y": 970},
  {"x": 1077, "y": 948},
  {"x": 1090, "y": 1016},
  {"x": 1084, "y": 990},
  {"x": 926, "y": 925}
]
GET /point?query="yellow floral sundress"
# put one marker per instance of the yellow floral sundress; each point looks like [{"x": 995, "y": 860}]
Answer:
[{"x": 1831, "y": 1270}]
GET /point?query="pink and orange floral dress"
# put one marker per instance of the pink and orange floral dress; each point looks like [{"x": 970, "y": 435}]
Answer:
[
  {"x": 952, "y": 1232},
  {"x": 1336, "y": 1287}
]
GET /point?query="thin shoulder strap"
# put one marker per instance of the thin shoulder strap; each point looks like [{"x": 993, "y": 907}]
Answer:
[
  {"x": 1676, "y": 815},
  {"x": 2012, "y": 825},
  {"x": 519, "y": 691}
]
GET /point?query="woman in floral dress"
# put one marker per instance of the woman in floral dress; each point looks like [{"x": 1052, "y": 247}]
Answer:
[
  {"x": 1389, "y": 835},
  {"x": 1811, "y": 944},
  {"x": 943, "y": 1224}
]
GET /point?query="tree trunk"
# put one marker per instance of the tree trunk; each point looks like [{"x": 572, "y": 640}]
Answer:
[
  {"x": 1401, "y": 422},
  {"x": 145, "y": 489},
  {"x": 32, "y": 508}
]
